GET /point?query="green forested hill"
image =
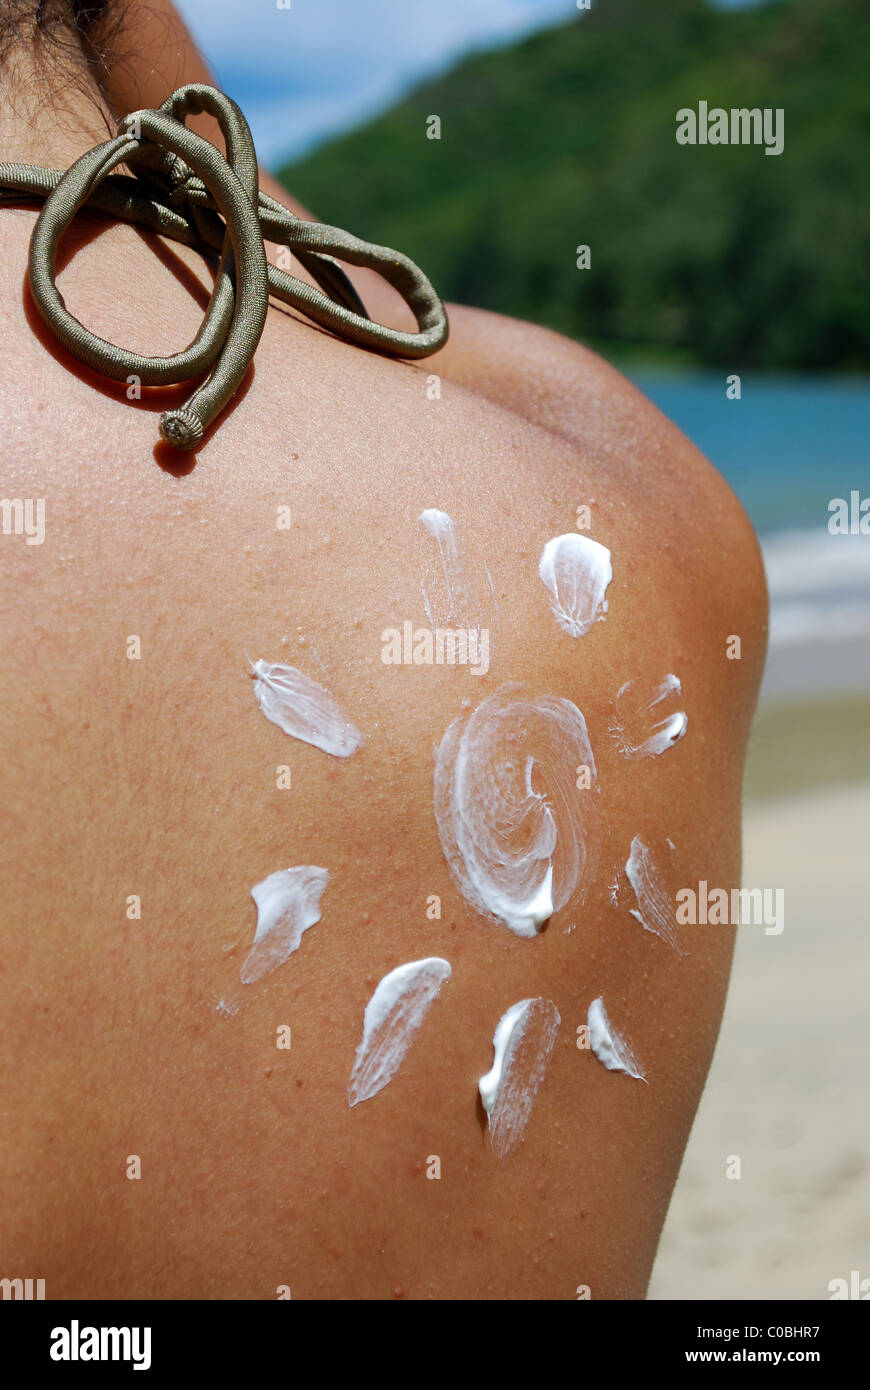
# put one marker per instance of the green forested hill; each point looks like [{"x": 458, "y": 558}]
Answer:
[{"x": 714, "y": 254}]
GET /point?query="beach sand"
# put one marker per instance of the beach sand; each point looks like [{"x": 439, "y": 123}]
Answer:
[{"x": 787, "y": 1091}]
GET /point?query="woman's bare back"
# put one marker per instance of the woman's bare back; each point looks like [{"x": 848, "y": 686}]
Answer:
[{"x": 138, "y": 766}]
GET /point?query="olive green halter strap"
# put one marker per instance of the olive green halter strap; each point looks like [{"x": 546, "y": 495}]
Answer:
[{"x": 185, "y": 189}]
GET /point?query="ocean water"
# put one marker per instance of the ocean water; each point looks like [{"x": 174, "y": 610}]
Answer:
[{"x": 788, "y": 447}]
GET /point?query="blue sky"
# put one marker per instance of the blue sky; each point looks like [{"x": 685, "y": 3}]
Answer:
[{"x": 323, "y": 66}]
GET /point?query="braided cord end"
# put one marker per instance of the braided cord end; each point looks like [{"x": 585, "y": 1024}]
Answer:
[{"x": 181, "y": 428}]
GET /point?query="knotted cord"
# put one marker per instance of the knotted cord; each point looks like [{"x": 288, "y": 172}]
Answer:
[{"x": 184, "y": 188}]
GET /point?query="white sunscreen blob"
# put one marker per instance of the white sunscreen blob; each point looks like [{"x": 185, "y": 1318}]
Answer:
[
  {"x": 577, "y": 571},
  {"x": 608, "y": 1045},
  {"x": 288, "y": 903},
  {"x": 522, "y": 1045},
  {"x": 654, "y": 909},
  {"x": 392, "y": 1017},
  {"x": 304, "y": 709},
  {"x": 640, "y": 728},
  {"x": 515, "y": 786}
]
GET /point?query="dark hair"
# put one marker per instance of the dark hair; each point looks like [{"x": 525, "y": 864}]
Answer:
[{"x": 67, "y": 34}]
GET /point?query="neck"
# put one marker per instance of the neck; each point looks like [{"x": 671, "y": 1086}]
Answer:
[{"x": 48, "y": 117}]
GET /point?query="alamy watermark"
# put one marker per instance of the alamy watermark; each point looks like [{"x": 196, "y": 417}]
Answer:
[
  {"x": 740, "y": 125},
  {"x": 849, "y": 517},
  {"x": 742, "y": 907},
  {"x": 26, "y": 1289},
  {"x": 440, "y": 646},
  {"x": 23, "y": 517},
  {"x": 76, "y": 1343}
]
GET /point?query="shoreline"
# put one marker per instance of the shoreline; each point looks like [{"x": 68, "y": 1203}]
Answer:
[{"x": 803, "y": 743}]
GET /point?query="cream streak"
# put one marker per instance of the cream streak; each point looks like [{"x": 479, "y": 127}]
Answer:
[
  {"x": 515, "y": 792},
  {"x": 522, "y": 1047},
  {"x": 641, "y": 729},
  {"x": 654, "y": 910},
  {"x": 576, "y": 571},
  {"x": 440, "y": 527},
  {"x": 455, "y": 592},
  {"x": 392, "y": 1018},
  {"x": 609, "y": 1046},
  {"x": 288, "y": 903},
  {"x": 304, "y": 709}
]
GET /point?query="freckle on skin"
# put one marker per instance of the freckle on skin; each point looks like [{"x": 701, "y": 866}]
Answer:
[
  {"x": 299, "y": 1081},
  {"x": 398, "y": 1292},
  {"x": 418, "y": 1166}
]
